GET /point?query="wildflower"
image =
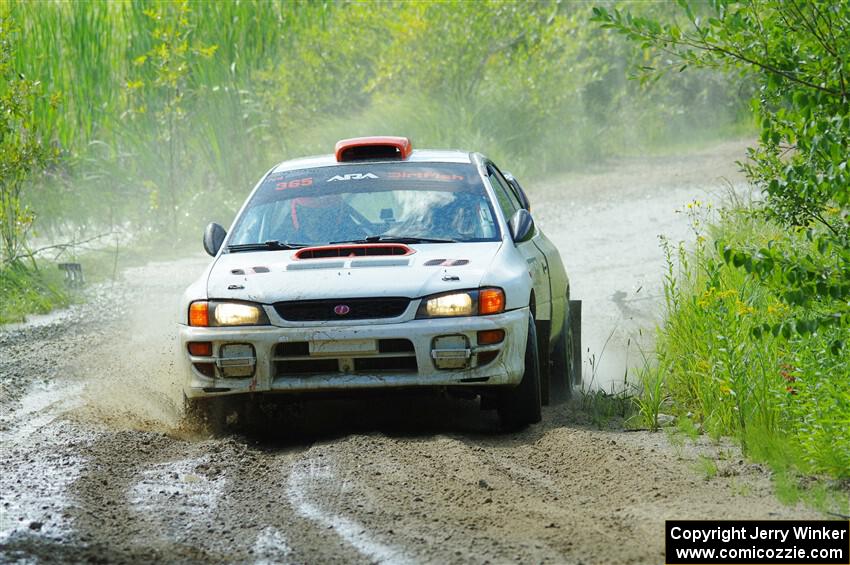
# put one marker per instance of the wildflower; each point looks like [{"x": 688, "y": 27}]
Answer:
[
  {"x": 777, "y": 308},
  {"x": 706, "y": 296},
  {"x": 743, "y": 309}
]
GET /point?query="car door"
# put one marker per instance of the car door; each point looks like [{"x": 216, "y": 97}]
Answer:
[
  {"x": 559, "y": 283},
  {"x": 537, "y": 264}
]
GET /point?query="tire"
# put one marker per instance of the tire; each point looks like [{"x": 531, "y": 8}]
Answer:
[
  {"x": 520, "y": 405},
  {"x": 214, "y": 414},
  {"x": 566, "y": 355}
]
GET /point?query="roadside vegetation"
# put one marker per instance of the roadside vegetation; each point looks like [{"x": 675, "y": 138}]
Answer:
[
  {"x": 756, "y": 340},
  {"x": 159, "y": 116},
  {"x": 25, "y": 151}
]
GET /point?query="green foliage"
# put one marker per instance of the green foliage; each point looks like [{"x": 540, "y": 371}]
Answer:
[
  {"x": 651, "y": 394},
  {"x": 23, "y": 150},
  {"x": 163, "y": 93},
  {"x": 797, "y": 50},
  {"x": 785, "y": 396},
  {"x": 172, "y": 110},
  {"x": 757, "y": 331},
  {"x": 26, "y": 290}
]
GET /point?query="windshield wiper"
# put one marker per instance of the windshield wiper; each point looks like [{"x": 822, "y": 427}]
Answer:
[
  {"x": 395, "y": 239},
  {"x": 271, "y": 245}
]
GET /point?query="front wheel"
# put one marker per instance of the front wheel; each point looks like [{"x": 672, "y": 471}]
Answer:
[
  {"x": 520, "y": 405},
  {"x": 214, "y": 414}
]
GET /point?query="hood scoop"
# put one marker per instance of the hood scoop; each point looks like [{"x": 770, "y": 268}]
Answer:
[{"x": 353, "y": 250}]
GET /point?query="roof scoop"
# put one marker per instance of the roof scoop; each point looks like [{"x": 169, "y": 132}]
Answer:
[{"x": 376, "y": 147}]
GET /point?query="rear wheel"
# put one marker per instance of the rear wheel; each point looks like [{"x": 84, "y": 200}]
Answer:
[
  {"x": 520, "y": 405},
  {"x": 566, "y": 356}
]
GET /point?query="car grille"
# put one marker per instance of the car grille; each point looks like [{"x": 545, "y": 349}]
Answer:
[
  {"x": 357, "y": 309},
  {"x": 293, "y": 359}
]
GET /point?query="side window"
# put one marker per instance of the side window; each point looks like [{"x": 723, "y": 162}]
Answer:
[{"x": 507, "y": 201}]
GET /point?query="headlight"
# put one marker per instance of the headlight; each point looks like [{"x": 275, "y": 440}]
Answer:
[
  {"x": 211, "y": 314},
  {"x": 459, "y": 304},
  {"x": 466, "y": 303}
]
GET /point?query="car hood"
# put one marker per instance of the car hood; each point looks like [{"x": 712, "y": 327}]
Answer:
[{"x": 272, "y": 276}]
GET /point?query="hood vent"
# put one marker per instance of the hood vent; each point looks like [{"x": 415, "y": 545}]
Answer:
[
  {"x": 379, "y": 263},
  {"x": 315, "y": 266},
  {"x": 355, "y": 250}
]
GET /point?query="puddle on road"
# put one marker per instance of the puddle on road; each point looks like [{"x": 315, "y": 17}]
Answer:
[
  {"x": 34, "y": 499},
  {"x": 43, "y": 403},
  {"x": 118, "y": 374},
  {"x": 41, "y": 320}
]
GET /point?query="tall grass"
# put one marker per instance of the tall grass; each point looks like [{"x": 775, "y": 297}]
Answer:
[
  {"x": 26, "y": 290},
  {"x": 288, "y": 78},
  {"x": 785, "y": 397}
]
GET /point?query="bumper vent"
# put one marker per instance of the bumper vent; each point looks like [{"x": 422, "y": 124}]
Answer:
[
  {"x": 393, "y": 356},
  {"x": 341, "y": 309}
]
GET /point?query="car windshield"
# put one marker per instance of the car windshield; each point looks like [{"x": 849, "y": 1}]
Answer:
[{"x": 368, "y": 201}]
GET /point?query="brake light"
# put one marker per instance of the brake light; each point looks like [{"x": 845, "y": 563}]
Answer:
[
  {"x": 379, "y": 147},
  {"x": 491, "y": 301},
  {"x": 199, "y": 314}
]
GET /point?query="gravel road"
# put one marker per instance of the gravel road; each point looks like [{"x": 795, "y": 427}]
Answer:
[{"x": 95, "y": 465}]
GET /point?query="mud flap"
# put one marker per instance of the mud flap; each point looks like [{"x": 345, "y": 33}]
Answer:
[
  {"x": 544, "y": 328},
  {"x": 575, "y": 325}
]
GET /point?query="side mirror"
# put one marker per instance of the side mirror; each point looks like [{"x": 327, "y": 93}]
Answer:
[
  {"x": 521, "y": 226},
  {"x": 213, "y": 238},
  {"x": 523, "y": 197}
]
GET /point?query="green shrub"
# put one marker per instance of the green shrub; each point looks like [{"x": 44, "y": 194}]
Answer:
[
  {"x": 25, "y": 290},
  {"x": 784, "y": 395}
]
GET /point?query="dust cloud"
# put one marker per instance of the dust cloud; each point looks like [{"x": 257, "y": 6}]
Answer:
[
  {"x": 130, "y": 374},
  {"x": 606, "y": 223}
]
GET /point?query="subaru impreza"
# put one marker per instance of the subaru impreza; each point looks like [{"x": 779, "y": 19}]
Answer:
[{"x": 383, "y": 266}]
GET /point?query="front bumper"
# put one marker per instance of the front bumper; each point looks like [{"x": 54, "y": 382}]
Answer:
[{"x": 277, "y": 369}]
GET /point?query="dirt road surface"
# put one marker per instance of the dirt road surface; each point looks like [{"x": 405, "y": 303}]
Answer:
[{"x": 95, "y": 466}]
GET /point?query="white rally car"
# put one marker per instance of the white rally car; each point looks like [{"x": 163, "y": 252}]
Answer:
[{"x": 383, "y": 266}]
